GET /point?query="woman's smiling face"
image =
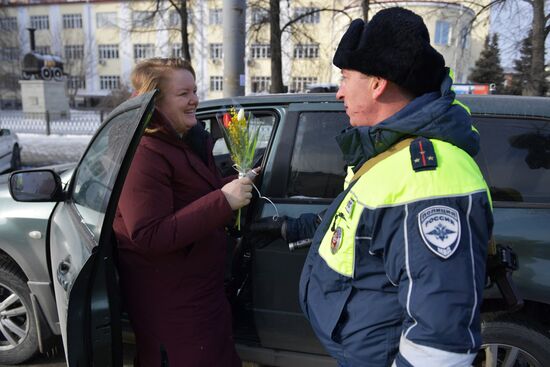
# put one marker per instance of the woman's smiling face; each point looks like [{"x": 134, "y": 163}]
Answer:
[{"x": 179, "y": 99}]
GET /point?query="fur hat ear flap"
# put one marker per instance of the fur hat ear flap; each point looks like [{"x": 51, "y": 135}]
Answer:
[
  {"x": 394, "y": 45},
  {"x": 352, "y": 36},
  {"x": 425, "y": 76}
]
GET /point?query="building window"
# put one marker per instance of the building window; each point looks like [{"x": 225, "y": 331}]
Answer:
[
  {"x": 74, "y": 52},
  {"x": 106, "y": 20},
  {"x": 216, "y": 51},
  {"x": 144, "y": 51},
  {"x": 72, "y": 21},
  {"x": 260, "y": 84},
  {"x": 300, "y": 83},
  {"x": 308, "y": 15},
  {"x": 143, "y": 19},
  {"x": 442, "y": 33},
  {"x": 8, "y": 24},
  {"x": 107, "y": 51},
  {"x": 76, "y": 82},
  {"x": 174, "y": 18},
  {"x": 259, "y": 16},
  {"x": 260, "y": 51},
  {"x": 40, "y": 22},
  {"x": 215, "y": 16},
  {"x": 306, "y": 51},
  {"x": 44, "y": 50},
  {"x": 9, "y": 54},
  {"x": 177, "y": 50},
  {"x": 216, "y": 83},
  {"x": 109, "y": 82}
]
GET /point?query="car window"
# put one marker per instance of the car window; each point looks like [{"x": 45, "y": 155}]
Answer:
[
  {"x": 96, "y": 174},
  {"x": 263, "y": 120},
  {"x": 317, "y": 168},
  {"x": 515, "y": 159}
]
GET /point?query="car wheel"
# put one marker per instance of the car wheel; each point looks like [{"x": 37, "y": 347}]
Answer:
[
  {"x": 15, "y": 158},
  {"x": 513, "y": 343},
  {"x": 18, "y": 334}
]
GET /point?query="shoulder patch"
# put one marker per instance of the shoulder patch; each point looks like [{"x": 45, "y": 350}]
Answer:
[
  {"x": 423, "y": 156},
  {"x": 440, "y": 229}
]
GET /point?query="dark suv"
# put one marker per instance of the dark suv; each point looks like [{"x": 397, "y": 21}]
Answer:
[{"x": 302, "y": 172}]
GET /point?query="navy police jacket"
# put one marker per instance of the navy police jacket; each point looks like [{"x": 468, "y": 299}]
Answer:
[{"x": 396, "y": 271}]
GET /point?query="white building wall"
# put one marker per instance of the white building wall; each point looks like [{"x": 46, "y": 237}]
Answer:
[{"x": 327, "y": 33}]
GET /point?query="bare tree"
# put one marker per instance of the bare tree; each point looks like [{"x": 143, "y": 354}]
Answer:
[
  {"x": 180, "y": 6},
  {"x": 540, "y": 27},
  {"x": 293, "y": 25},
  {"x": 179, "y": 22},
  {"x": 365, "y": 4}
]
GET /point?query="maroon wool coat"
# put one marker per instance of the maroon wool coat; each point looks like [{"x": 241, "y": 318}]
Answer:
[{"x": 172, "y": 246}]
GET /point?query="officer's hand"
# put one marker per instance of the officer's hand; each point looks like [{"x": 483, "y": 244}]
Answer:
[
  {"x": 266, "y": 230},
  {"x": 269, "y": 226}
]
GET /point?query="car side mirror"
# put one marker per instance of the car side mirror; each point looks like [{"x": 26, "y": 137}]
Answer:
[{"x": 36, "y": 186}]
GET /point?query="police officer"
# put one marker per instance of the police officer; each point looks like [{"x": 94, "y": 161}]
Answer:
[{"x": 396, "y": 269}]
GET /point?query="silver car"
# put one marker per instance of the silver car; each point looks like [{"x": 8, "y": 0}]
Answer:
[
  {"x": 79, "y": 240},
  {"x": 10, "y": 150},
  {"x": 28, "y": 318}
]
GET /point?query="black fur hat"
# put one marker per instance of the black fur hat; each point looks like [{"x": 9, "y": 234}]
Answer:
[{"x": 394, "y": 45}]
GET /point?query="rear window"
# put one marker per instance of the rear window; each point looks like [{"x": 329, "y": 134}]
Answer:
[
  {"x": 515, "y": 158},
  {"x": 317, "y": 167}
]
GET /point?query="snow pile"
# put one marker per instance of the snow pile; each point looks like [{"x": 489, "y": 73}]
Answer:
[{"x": 40, "y": 150}]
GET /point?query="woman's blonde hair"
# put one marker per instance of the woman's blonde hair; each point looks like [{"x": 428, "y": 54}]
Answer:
[{"x": 151, "y": 73}]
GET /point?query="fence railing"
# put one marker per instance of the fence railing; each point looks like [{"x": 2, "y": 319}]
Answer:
[{"x": 76, "y": 123}]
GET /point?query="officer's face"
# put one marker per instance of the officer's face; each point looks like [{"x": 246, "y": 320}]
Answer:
[{"x": 356, "y": 92}]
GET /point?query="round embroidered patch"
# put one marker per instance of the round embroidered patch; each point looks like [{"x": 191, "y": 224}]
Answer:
[
  {"x": 336, "y": 240},
  {"x": 440, "y": 229}
]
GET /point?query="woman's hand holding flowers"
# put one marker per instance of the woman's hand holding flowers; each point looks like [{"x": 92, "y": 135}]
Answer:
[{"x": 238, "y": 192}]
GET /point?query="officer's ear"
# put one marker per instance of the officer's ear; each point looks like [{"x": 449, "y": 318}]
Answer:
[{"x": 378, "y": 87}]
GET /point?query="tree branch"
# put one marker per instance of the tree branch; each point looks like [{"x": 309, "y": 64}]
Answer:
[
  {"x": 174, "y": 5},
  {"x": 302, "y": 16},
  {"x": 486, "y": 7}
]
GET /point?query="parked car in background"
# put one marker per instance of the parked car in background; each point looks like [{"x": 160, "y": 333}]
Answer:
[
  {"x": 303, "y": 171},
  {"x": 10, "y": 151},
  {"x": 28, "y": 317}
]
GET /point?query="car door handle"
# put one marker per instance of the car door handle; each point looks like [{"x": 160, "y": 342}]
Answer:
[{"x": 62, "y": 271}]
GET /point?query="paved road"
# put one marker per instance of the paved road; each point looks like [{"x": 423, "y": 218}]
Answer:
[
  {"x": 58, "y": 360},
  {"x": 43, "y": 361}
]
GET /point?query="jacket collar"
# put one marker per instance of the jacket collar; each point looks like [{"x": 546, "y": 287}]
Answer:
[
  {"x": 197, "y": 138},
  {"x": 433, "y": 115}
]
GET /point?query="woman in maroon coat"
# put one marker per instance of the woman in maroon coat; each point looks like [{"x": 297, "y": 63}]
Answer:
[{"x": 170, "y": 230}]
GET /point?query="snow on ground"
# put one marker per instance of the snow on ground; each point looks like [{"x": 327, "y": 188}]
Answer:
[{"x": 40, "y": 150}]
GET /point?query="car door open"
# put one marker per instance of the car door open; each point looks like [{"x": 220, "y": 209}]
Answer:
[{"x": 81, "y": 240}]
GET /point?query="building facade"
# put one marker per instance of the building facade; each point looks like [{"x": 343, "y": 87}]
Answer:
[{"x": 100, "y": 41}]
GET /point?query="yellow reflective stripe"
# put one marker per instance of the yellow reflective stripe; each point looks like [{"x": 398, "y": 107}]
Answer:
[
  {"x": 457, "y": 102},
  {"x": 342, "y": 260},
  {"x": 348, "y": 178},
  {"x": 452, "y": 75},
  {"x": 393, "y": 181}
]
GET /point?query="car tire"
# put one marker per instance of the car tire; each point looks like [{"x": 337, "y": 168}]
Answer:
[
  {"x": 16, "y": 158},
  {"x": 513, "y": 343},
  {"x": 18, "y": 333}
]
